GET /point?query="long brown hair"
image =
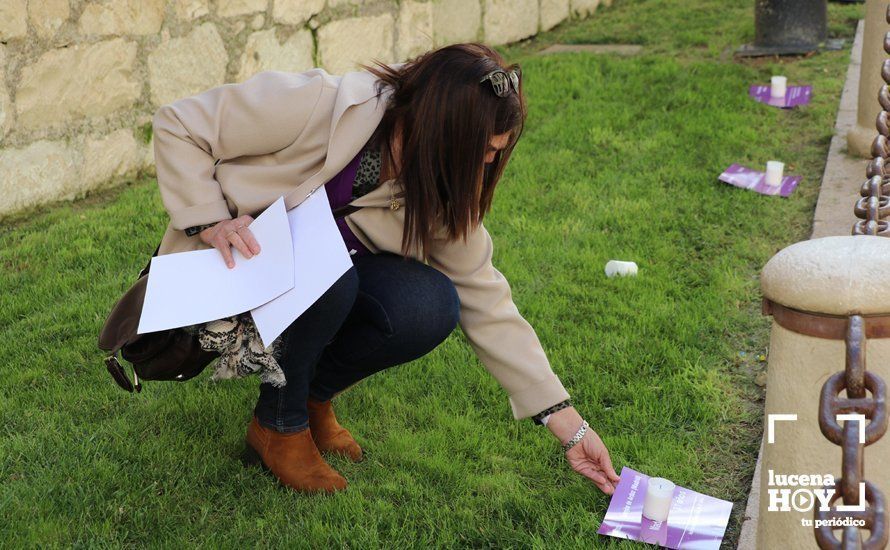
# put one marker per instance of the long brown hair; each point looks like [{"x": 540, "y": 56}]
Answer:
[{"x": 447, "y": 119}]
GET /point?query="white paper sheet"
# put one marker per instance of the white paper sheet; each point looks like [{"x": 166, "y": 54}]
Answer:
[
  {"x": 320, "y": 258},
  {"x": 195, "y": 287}
]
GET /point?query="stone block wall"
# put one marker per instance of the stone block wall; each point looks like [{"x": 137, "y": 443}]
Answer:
[{"x": 81, "y": 79}]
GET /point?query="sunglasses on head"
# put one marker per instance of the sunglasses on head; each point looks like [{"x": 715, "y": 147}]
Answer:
[{"x": 501, "y": 80}]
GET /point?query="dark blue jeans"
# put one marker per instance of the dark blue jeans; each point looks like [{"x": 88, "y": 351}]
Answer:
[{"x": 384, "y": 311}]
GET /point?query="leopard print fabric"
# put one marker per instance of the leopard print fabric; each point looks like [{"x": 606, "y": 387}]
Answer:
[
  {"x": 241, "y": 349},
  {"x": 368, "y": 174}
]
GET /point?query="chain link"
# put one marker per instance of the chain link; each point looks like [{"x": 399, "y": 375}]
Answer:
[
  {"x": 858, "y": 383},
  {"x": 855, "y": 380}
]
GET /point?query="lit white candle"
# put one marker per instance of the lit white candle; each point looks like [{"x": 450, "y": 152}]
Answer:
[
  {"x": 657, "y": 503},
  {"x": 774, "y": 171},
  {"x": 778, "y": 86},
  {"x": 623, "y": 269}
]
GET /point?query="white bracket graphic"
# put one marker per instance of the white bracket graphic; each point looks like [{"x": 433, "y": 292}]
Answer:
[
  {"x": 859, "y": 507},
  {"x": 771, "y": 420},
  {"x": 861, "y": 419}
]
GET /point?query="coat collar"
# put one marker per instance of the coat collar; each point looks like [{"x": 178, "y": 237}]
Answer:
[{"x": 357, "y": 113}]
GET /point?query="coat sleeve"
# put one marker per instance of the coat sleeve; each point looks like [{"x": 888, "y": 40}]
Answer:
[
  {"x": 502, "y": 339},
  {"x": 261, "y": 115}
]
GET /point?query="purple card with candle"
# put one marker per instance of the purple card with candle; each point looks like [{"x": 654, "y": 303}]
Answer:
[
  {"x": 796, "y": 95},
  {"x": 747, "y": 178},
  {"x": 695, "y": 521}
]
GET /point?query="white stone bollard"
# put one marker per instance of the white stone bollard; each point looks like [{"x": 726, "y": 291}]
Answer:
[
  {"x": 832, "y": 276},
  {"x": 861, "y": 135}
]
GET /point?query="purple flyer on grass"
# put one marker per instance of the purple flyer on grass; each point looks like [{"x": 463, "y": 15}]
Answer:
[
  {"x": 695, "y": 521},
  {"x": 746, "y": 178},
  {"x": 796, "y": 95}
]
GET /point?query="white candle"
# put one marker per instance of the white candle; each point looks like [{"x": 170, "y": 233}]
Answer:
[
  {"x": 657, "y": 503},
  {"x": 774, "y": 170},
  {"x": 778, "y": 86},
  {"x": 623, "y": 269}
]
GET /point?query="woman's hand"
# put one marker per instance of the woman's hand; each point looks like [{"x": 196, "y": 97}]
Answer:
[
  {"x": 225, "y": 234},
  {"x": 589, "y": 457}
]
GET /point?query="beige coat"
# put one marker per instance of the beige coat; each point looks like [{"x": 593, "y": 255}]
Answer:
[{"x": 236, "y": 148}]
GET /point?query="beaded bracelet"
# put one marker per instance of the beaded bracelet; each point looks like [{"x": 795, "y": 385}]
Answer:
[
  {"x": 192, "y": 231},
  {"x": 538, "y": 418}
]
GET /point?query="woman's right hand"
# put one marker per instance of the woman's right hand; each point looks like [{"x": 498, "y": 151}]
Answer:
[
  {"x": 589, "y": 457},
  {"x": 225, "y": 234}
]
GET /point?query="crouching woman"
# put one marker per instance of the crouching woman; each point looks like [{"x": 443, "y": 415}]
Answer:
[{"x": 409, "y": 155}]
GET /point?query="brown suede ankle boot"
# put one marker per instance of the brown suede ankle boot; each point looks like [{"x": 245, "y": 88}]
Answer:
[
  {"x": 292, "y": 457},
  {"x": 328, "y": 434}
]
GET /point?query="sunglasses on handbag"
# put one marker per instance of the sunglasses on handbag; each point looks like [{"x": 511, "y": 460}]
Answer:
[{"x": 501, "y": 80}]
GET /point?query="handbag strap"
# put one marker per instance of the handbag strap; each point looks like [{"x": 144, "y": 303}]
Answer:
[
  {"x": 148, "y": 265},
  {"x": 345, "y": 210}
]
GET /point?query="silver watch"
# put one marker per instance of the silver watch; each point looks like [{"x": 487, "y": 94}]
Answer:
[{"x": 577, "y": 438}]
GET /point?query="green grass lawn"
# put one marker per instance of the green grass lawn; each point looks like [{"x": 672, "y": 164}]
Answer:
[{"x": 619, "y": 161}]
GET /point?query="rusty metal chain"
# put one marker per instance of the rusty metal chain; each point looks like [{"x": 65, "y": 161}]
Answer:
[
  {"x": 858, "y": 384},
  {"x": 866, "y": 392}
]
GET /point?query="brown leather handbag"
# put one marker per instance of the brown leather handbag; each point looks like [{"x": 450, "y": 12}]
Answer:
[{"x": 172, "y": 354}]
